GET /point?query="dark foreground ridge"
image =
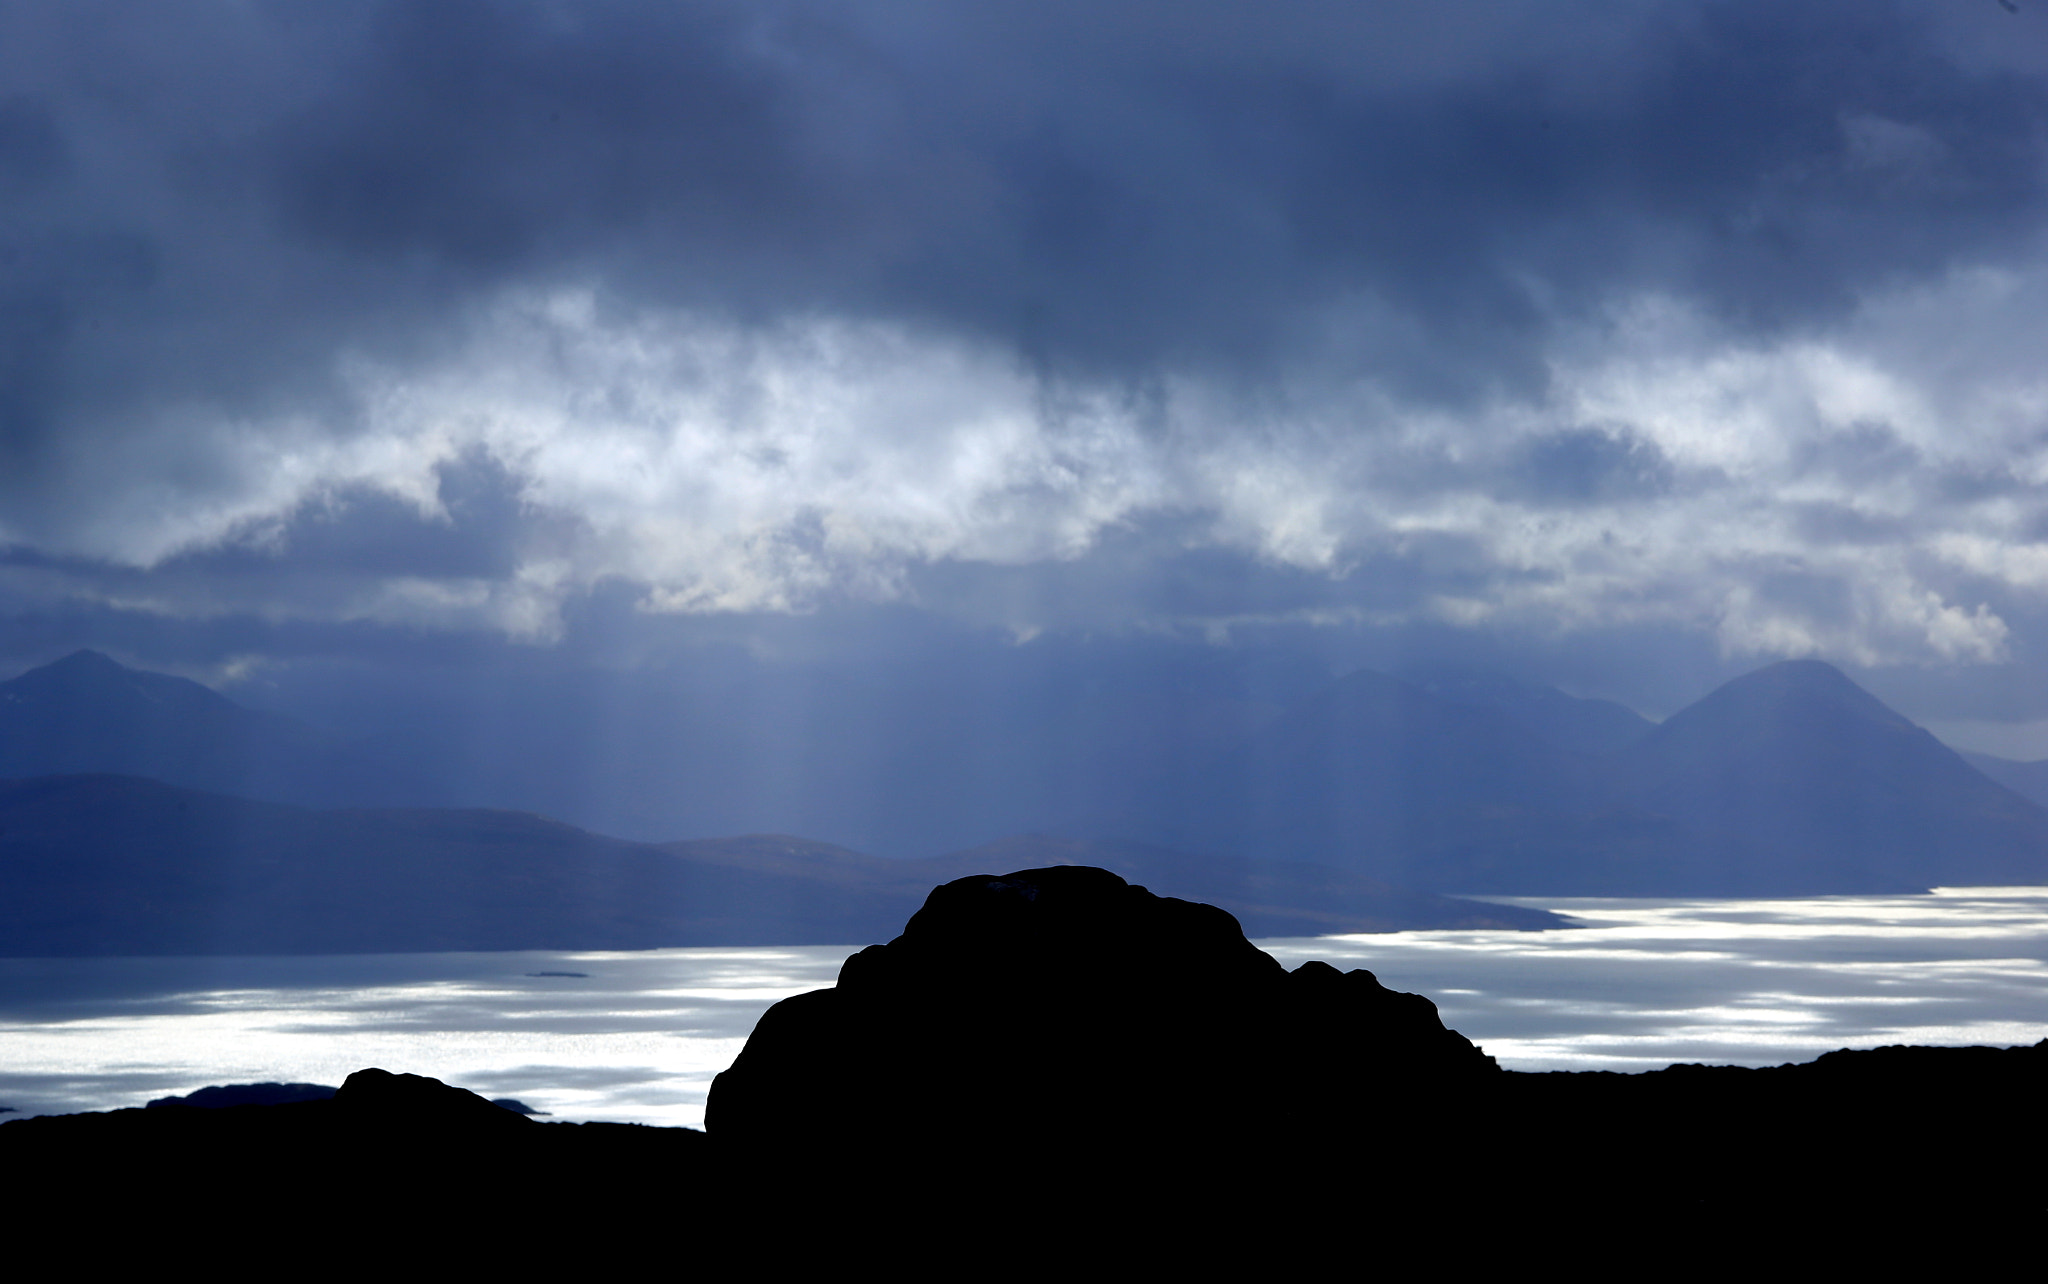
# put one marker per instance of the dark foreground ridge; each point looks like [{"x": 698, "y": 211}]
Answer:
[
  {"x": 389, "y": 1171},
  {"x": 1052, "y": 1066}
]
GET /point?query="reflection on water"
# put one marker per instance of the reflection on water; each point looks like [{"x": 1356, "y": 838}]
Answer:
[
  {"x": 1646, "y": 983},
  {"x": 637, "y": 1036}
]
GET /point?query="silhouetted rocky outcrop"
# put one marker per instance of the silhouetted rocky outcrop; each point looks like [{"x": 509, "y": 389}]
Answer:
[{"x": 1049, "y": 1009}]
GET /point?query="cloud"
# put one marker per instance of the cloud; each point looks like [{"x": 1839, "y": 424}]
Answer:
[{"x": 1547, "y": 317}]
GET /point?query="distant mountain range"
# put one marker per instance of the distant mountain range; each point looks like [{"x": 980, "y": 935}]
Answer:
[
  {"x": 1789, "y": 780},
  {"x": 87, "y": 713},
  {"x": 1569, "y": 722},
  {"x": 147, "y": 814},
  {"x": 104, "y": 865}
]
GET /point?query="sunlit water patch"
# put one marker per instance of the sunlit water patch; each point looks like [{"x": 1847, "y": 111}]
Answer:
[
  {"x": 1642, "y": 984},
  {"x": 629, "y": 1036},
  {"x": 638, "y": 1036}
]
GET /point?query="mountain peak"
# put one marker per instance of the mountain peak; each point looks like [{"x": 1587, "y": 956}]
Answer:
[
  {"x": 92, "y": 676},
  {"x": 1806, "y": 682},
  {"x": 1804, "y": 669},
  {"x": 83, "y": 660},
  {"x": 88, "y": 713}
]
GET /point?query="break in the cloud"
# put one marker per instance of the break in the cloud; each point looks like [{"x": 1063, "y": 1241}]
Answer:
[{"x": 1708, "y": 316}]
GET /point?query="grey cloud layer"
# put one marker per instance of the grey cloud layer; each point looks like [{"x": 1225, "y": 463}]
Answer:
[{"x": 1567, "y": 316}]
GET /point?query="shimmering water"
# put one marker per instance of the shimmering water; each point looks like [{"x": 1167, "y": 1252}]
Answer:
[{"x": 1642, "y": 984}]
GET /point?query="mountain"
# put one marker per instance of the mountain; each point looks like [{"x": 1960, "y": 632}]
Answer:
[
  {"x": 100, "y": 865},
  {"x": 114, "y": 865},
  {"x": 2027, "y": 779},
  {"x": 1365, "y": 771},
  {"x": 926, "y": 760},
  {"x": 1789, "y": 780},
  {"x": 1567, "y": 721},
  {"x": 87, "y": 713},
  {"x": 1819, "y": 786},
  {"x": 1380, "y": 777}
]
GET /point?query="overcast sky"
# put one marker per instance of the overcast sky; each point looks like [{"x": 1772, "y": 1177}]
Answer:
[{"x": 1629, "y": 345}]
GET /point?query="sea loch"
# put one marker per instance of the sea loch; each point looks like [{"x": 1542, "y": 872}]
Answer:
[{"x": 637, "y": 1036}]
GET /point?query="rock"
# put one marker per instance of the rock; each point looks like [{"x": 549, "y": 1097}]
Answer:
[
  {"x": 1063, "y": 1011},
  {"x": 226, "y": 1096},
  {"x": 415, "y": 1101}
]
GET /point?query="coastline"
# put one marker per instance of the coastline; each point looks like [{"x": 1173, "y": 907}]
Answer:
[{"x": 639, "y": 1038}]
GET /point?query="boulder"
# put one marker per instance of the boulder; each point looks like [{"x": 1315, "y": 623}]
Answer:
[{"x": 1066, "y": 1013}]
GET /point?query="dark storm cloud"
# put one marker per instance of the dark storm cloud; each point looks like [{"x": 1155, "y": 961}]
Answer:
[
  {"x": 493, "y": 138},
  {"x": 479, "y": 530},
  {"x": 1067, "y": 184},
  {"x": 1113, "y": 198},
  {"x": 1692, "y": 320}
]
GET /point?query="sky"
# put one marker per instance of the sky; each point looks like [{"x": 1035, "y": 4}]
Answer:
[{"x": 1623, "y": 346}]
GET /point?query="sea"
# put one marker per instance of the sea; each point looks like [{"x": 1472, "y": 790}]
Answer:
[{"x": 637, "y": 1036}]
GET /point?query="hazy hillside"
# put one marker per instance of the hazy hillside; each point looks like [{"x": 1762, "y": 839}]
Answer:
[
  {"x": 2027, "y": 779},
  {"x": 87, "y": 713},
  {"x": 1569, "y": 722},
  {"x": 930, "y": 758},
  {"x": 1367, "y": 770},
  {"x": 117, "y": 865},
  {"x": 1791, "y": 779},
  {"x": 1833, "y": 788}
]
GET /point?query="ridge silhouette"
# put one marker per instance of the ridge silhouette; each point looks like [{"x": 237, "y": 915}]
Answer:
[{"x": 1053, "y": 1069}]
